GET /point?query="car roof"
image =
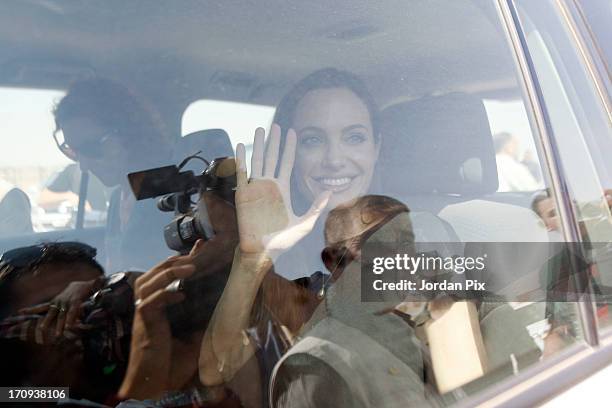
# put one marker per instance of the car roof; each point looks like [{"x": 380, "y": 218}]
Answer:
[{"x": 251, "y": 50}]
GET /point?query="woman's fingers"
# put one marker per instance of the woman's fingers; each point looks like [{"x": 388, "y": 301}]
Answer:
[
  {"x": 257, "y": 159},
  {"x": 272, "y": 149},
  {"x": 264, "y": 159},
  {"x": 318, "y": 205},
  {"x": 300, "y": 227},
  {"x": 288, "y": 157},
  {"x": 307, "y": 221},
  {"x": 163, "y": 279},
  {"x": 241, "y": 171}
]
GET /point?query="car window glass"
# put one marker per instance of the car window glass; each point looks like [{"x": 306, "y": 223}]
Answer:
[
  {"x": 582, "y": 133},
  {"x": 598, "y": 14},
  {"x": 48, "y": 178},
  {"x": 413, "y": 140}
]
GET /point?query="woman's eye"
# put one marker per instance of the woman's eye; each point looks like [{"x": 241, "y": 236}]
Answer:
[
  {"x": 355, "y": 138},
  {"x": 311, "y": 140}
]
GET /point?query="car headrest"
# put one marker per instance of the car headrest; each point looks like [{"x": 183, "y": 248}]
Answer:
[
  {"x": 440, "y": 144},
  {"x": 212, "y": 143}
]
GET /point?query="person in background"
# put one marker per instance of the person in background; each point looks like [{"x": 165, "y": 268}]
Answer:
[
  {"x": 543, "y": 204},
  {"x": 109, "y": 131},
  {"x": 63, "y": 186},
  {"x": 530, "y": 161},
  {"x": 512, "y": 174}
]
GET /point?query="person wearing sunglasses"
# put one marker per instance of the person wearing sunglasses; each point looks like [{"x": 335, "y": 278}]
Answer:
[
  {"x": 111, "y": 132},
  {"x": 52, "y": 331},
  {"x": 107, "y": 129},
  {"x": 33, "y": 277}
]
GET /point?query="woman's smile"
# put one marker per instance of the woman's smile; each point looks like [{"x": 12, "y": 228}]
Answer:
[
  {"x": 334, "y": 183},
  {"x": 336, "y": 147}
]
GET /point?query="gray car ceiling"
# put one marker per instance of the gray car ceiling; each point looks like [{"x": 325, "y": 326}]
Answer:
[{"x": 251, "y": 50}]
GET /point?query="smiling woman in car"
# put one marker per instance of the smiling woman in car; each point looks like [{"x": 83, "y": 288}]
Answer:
[
  {"x": 321, "y": 152},
  {"x": 336, "y": 121}
]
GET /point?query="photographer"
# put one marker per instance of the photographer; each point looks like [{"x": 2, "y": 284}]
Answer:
[
  {"x": 158, "y": 362},
  {"x": 59, "y": 325},
  {"x": 48, "y": 344},
  {"x": 174, "y": 304},
  {"x": 40, "y": 274},
  {"x": 110, "y": 131}
]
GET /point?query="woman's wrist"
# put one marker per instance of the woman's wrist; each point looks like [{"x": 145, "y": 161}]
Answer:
[{"x": 253, "y": 262}]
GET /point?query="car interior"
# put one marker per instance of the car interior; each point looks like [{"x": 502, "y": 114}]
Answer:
[
  {"x": 435, "y": 68},
  {"x": 429, "y": 78}
]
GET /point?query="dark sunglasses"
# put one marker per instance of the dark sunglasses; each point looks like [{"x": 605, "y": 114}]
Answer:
[
  {"x": 89, "y": 149},
  {"x": 25, "y": 256}
]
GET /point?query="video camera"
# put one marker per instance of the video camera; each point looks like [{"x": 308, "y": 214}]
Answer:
[{"x": 175, "y": 189}]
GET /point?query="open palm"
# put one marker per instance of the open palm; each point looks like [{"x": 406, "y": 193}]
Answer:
[{"x": 267, "y": 223}]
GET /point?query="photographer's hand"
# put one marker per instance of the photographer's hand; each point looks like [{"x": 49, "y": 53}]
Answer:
[
  {"x": 64, "y": 310},
  {"x": 152, "y": 368},
  {"x": 267, "y": 224}
]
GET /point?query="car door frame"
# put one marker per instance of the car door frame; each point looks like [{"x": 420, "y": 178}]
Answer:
[{"x": 552, "y": 376}]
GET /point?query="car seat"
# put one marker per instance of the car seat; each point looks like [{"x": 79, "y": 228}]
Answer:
[
  {"x": 211, "y": 143},
  {"x": 437, "y": 156},
  {"x": 437, "y": 146}
]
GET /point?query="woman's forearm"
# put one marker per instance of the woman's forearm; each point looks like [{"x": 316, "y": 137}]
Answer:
[{"x": 225, "y": 346}]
